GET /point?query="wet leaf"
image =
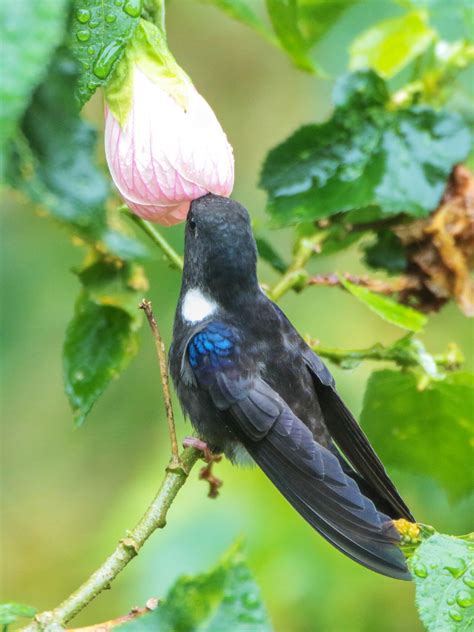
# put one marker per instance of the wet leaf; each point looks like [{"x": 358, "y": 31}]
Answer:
[
  {"x": 99, "y": 33},
  {"x": 366, "y": 155},
  {"x": 386, "y": 308},
  {"x": 225, "y": 599},
  {"x": 443, "y": 570},
  {"x": 391, "y": 45},
  {"x": 429, "y": 432}
]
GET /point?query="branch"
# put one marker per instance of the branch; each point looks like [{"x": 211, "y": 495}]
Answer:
[
  {"x": 161, "y": 353},
  {"x": 296, "y": 276},
  {"x": 154, "y": 518},
  {"x": 174, "y": 259},
  {"x": 407, "y": 352},
  {"x": 376, "y": 285},
  {"x": 134, "y": 613}
]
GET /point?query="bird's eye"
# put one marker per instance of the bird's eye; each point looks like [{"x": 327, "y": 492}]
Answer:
[{"x": 192, "y": 224}]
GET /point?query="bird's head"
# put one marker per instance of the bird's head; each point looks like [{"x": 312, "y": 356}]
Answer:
[{"x": 220, "y": 252}]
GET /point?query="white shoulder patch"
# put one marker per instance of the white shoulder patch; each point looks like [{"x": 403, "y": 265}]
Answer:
[{"x": 197, "y": 306}]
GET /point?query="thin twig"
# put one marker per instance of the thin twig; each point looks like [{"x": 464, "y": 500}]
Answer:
[
  {"x": 376, "y": 285},
  {"x": 174, "y": 259},
  {"x": 105, "y": 626},
  {"x": 161, "y": 352},
  {"x": 154, "y": 518}
]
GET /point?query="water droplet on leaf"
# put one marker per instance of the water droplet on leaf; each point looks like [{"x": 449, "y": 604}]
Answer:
[
  {"x": 133, "y": 8},
  {"x": 110, "y": 18},
  {"x": 108, "y": 56},
  {"x": 463, "y": 599},
  {"x": 469, "y": 581},
  {"x": 420, "y": 570},
  {"x": 83, "y": 15},
  {"x": 91, "y": 50},
  {"x": 457, "y": 568},
  {"x": 83, "y": 35},
  {"x": 455, "y": 615}
]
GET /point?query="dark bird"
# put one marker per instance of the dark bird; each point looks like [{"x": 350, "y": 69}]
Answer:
[{"x": 253, "y": 388}]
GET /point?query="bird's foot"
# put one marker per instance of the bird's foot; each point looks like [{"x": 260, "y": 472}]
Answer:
[
  {"x": 198, "y": 444},
  {"x": 206, "y": 473}
]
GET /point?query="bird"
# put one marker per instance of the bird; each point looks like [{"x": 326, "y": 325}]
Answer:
[{"x": 255, "y": 391}]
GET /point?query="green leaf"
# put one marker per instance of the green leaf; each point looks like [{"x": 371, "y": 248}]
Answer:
[
  {"x": 226, "y": 599},
  {"x": 443, "y": 569},
  {"x": 427, "y": 432},
  {"x": 386, "y": 253},
  {"x": 29, "y": 32},
  {"x": 101, "y": 338},
  {"x": 10, "y": 612},
  {"x": 391, "y": 45},
  {"x": 99, "y": 34},
  {"x": 268, "y": 253},
  {"x": 56, "y": 166},
  {"x": 299, "y": 24},
  {"x": 386, "y": 308},
  {"x": 54, "y": 163},
  {"x": 243, "y": 11},
  {"x": 366, "y": 155}
]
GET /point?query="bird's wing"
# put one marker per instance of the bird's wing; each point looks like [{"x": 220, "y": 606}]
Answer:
[
  {"x": 351, "y": 440},
  {"x": 307, "y": 474}
]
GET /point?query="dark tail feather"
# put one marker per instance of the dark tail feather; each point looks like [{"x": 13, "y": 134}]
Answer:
[{"x": 312, "y": 480}]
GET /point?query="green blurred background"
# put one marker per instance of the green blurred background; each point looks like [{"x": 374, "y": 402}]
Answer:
[{"x": 69, "y": 494}]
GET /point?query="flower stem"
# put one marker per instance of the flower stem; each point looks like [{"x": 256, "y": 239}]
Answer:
[
  {"x": 154, "y": 518},
  {"x": 174, "y": 259},
  {"x": 161, "y": 353}
]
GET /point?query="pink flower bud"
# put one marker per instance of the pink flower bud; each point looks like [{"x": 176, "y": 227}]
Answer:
[{"x": 169, "y": 150}]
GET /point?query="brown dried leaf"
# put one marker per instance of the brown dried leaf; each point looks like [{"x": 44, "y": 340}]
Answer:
[{"x": 440, "y": 249}]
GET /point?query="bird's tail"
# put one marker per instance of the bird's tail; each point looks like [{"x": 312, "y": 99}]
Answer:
[{"x": 312, "y": 480}]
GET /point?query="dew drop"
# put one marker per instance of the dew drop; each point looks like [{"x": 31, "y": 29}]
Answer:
[
  {"x": 106, "y": 60},
  {"x": 83, "y": 15},
  {"x": 469, "y": 581},
  {"x": 110, "y": 18},
  {"x": 79, "y": 376},
  {"x": 91, "y": 50},
  {"x": 83, "y": 35},
  {"x": 85, "y": 65},
  {"x": 118, "y": 3},
  {"x": 94, "y": 24},
  {"x": 457, "y": 568},
  {"x": 463, "y": 599},
  {"x": 455, "y": 615},
  {"x": 450, "y": 601},
  {"x": 133, "y": 8},
  {"x": 420, "y": 570},
  {"x": 91, "y": 85}
]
